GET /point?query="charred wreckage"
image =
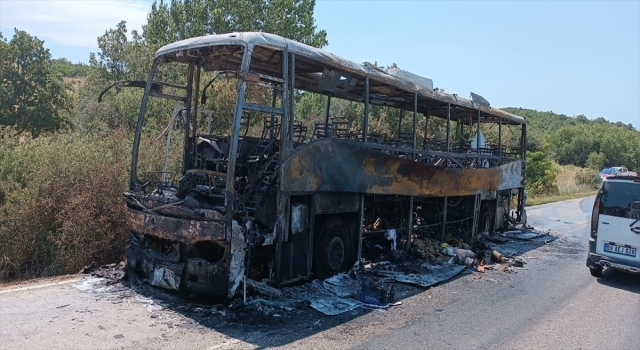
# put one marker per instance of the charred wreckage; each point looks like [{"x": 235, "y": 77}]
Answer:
[{"x": 283, "y": 204}]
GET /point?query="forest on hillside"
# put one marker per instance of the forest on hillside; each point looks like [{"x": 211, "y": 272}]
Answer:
[
  {"x": 65, "y": 158},
  {"x": 594, "y": 143}
]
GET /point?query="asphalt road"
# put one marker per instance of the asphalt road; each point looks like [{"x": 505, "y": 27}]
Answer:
[
  {"x": 552, "y": 303},
  {"x": 556, "y": 304}
]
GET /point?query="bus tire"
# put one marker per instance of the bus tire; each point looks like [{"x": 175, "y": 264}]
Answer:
[
  {"x": 486, "y": 220},
  {"x": 332, "y": 248}
]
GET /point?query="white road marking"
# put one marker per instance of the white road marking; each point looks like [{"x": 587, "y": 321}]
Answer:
[{"x": 39, "y": 286}]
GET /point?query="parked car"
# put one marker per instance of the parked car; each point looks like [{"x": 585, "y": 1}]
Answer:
[
  {"x": 615, "y": 226},
  {"x": 624, "y": 171},
  {"x": 607, "y": 172},
  {"x": 620, "y": 169},
  {"x": 616, "y": 170}
]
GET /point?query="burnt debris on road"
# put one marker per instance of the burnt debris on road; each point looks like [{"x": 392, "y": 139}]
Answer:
[{"x": 381, "y": 279}]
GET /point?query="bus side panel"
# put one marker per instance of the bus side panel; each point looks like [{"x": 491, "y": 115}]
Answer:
[{"x": 331, "y": 165}]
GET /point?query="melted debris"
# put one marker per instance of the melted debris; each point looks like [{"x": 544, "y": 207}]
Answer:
[{"x": 377, "y": 283}]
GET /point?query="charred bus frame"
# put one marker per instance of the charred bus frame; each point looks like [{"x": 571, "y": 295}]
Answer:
[{"x": 303, "y": 207}]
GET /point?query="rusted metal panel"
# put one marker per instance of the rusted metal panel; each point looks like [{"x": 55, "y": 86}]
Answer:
[
  {"x": 331, "y": 165},
  {"x": 174, "y": 229},
  {"x": 157, "y": 272},
  {"x": 172, "y": 209},
  {"x": 204, "y": 277},
  {"x": 325, "y": 203},
  {"x": 491, "y": 195},
  {"x": 193, "y": 275},
  {"x": 511, "y": 176}
]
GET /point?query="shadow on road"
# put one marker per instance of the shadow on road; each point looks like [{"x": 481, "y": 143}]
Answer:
[
  {"x": 264, "y": 324},
  {"x": 621, "y": 280},
  {"x": 269, "y": 323}
]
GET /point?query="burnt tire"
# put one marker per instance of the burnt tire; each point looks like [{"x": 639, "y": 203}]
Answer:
[
  {"x": 332, "y": 248},
  {"x": 486, "y": 218},
  {"x": 131, "y": 276}
]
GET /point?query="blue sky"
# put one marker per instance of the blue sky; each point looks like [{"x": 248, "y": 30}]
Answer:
[{"x": 574, "y": 57}]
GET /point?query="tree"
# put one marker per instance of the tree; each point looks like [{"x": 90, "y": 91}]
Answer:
[
  {"x": 69, "y": 69},
  {"x": 572, "y": 144},
  {"x": 32, "y": 93},
  {"x": 595, "y": 161},
  {"x": 541, "y": 174},
  {"x": 124, "y": 58},
  {"x": 183, "y": 19},
  {"x": 113, "y": 45},
  {"x": 179, "y": 20}
]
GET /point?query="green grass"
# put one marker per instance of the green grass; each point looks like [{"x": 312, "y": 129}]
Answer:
[{"x": 559, "y": 197}]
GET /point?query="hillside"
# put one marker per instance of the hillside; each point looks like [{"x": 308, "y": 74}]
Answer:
[{"x": 581, "y": 141}]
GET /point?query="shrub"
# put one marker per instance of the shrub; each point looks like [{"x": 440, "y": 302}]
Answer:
[
  {"x": 62, "y": 203},
  {"x": 540, "y": 174},
  {"x": 588, "y": 178},
  {"x": 596, "y": 161}
]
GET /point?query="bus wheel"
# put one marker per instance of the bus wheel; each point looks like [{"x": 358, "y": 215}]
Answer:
[
  {"x": 485, "y": 223},
  {"x": 332, "y": 249}
]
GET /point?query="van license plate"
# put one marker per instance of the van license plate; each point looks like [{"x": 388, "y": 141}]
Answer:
[{"x": 620, "y": 250}]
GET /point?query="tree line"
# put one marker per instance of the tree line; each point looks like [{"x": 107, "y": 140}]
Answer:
[{"x": 580, "y": 141}]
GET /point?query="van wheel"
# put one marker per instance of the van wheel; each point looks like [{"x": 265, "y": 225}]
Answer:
[
  {"x": 596, "y": 271},
  {"x": 332, "y": 248}
]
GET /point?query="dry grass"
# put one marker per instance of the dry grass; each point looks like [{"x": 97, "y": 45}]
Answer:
[
  {"x": 566, "y": 181},
  {"x": 61, "y": 200},
  {"x": 569, "y": 186},
  {"x": 61, "y": 203}
]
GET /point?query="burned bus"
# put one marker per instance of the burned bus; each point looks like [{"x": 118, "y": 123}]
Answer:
[{"x": 244, "y": 190}]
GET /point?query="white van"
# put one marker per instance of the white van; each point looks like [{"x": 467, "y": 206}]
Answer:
[{"x": 615, "y": 226}]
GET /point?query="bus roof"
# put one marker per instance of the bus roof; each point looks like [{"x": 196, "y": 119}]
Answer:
[{"x": 386, "y": 87}]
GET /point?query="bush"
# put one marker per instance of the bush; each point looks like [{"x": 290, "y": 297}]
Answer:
[
  {"x": 595, "y": 161},
  {"x": 540, "y": 175},
  {"x": 588, "y": 177},
  {"x": 62, "y": 203}
]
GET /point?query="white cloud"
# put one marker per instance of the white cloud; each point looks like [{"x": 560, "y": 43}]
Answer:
[{"x": 72, "y": 23}]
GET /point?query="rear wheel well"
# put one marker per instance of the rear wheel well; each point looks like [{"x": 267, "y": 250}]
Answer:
[
  {"x": 334, "y": 234},
  {"x": 486, "y": 220},
  {"x": 596, "y": 271}
]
